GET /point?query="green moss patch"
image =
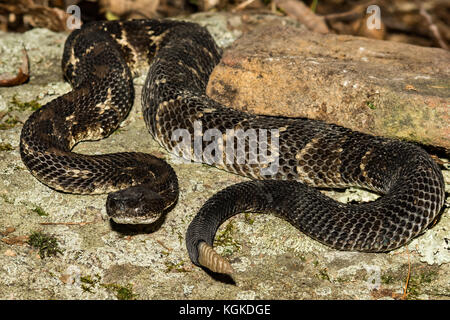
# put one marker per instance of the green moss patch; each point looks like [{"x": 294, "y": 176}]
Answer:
[{"x": 46, "y": 244}]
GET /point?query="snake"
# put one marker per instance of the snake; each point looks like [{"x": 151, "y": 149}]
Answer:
[{"x": 100, "y": 61}]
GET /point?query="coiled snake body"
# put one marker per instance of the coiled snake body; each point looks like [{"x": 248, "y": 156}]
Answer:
[{"x": 99, "y": 60}]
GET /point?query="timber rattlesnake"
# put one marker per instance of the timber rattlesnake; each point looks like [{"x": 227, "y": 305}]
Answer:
[{"x": 99, "y": 60}]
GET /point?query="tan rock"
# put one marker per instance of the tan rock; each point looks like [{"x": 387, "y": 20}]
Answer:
[{"x": 374, "y": 86}]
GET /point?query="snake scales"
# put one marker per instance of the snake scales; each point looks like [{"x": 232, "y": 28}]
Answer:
[{"x": 100, "y": 59}]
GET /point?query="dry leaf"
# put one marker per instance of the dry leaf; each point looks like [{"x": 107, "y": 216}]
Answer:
[
  {"x": 22, "y": 76},
  {"x": 303, "y": 14},
  {"x": 7, "y": 231},
  {"x": 410, "y": 87},
  {"x": 37, "y": 15}
]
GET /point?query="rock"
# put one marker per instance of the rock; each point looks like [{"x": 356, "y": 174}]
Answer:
[{"x": 374, "y": 86}]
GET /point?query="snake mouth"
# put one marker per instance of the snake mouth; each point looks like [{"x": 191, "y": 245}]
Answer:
[{"x": 135, "y": 205}]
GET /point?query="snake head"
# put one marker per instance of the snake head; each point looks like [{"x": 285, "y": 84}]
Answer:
[{"x": 135, "y": 205}]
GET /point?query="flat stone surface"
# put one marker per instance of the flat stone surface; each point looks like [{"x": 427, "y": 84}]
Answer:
[
  {"x": 272, "y": 259},
  {"x": 378, "y": 87}
]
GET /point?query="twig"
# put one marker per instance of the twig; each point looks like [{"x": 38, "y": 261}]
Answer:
[
  {"x": 67, "y": 223},
  {"x": 303, "y": 14},
  {"x": 243, "y": 5},
  {"x": 163, "y": 245},
  {"x": 405, "y": 290}
]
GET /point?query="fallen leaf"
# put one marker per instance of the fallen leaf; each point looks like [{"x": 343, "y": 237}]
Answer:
[
  {"x": 66, "y": 278},
  {"x": 15, "y": 240},
  {"x": 22, "y": 76},
  {"x": 7, "y": 231}
]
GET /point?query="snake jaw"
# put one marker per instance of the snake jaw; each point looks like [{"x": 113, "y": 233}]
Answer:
[{"x": 210, "y": 259}]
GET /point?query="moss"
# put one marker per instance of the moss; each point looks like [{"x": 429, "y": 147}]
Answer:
[
  {"x": 419, "y": 277},
  {"x": 6, "y": 199},
  {"x": 118, "y": 130},
  {"x": 323, "y": 274},
  {"x": 224, "y": 238},
  {"x": 175, "y": 267},
  {"x": 6, "y": 147},
  {"x": 9, "y": 123},
  {"x": 322, "y": 271},
  {"x": 180, "y": 237},
  {"x": 343, "y": 279},
  {"x": 40, "y": 211},
  {"x": 249, "y": 218},
  {"x": 46, "y": 244},
  {"x": 11, "y": 120},
  {"x": 371, "y": 105},
  {"x": 32, "y": 105},
  {"x": 90, "y": 283},
  {"x": 89, "y": 280},
  {"x": 387, "y": 279},
  {"x": 122, "y": 292},
  {"x": 417, "y": 281}
]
